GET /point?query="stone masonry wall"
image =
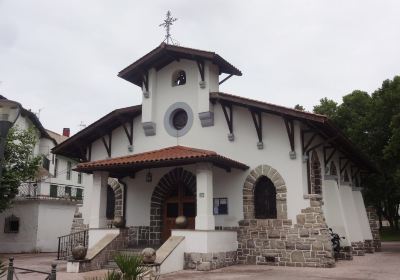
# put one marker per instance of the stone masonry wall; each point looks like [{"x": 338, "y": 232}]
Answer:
[
  {"x": 374, "y": 225},
  {"x": 278, "y": 242},
  {"x": 209, "y": 261},
  {"x": 139, "y": 236},
  {"x": 102, "y": 258}
]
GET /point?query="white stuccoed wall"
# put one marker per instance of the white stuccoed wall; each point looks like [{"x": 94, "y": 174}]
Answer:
[
  {"x": 333, "y": 210},
  {"x": 351, "y": 215},
  {"x": 362, "y": 215},
  {"x": 54, "y": 220},
  {"x": 25, "y": 239}
]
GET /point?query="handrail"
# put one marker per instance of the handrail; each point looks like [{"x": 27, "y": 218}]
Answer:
[{"x": 67, "y": 242}]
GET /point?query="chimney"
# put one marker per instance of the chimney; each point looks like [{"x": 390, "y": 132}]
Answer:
[{"x": 66, "y": 131}]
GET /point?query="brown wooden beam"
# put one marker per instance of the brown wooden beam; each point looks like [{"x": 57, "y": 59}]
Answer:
[
  {"x": 129, "y": 131},
  {"x": 341, "y": 166},
  {"x": 107, "y": 145},
  {"x": 256, "y": 116},
  {"x": 328, "y": 157},
  {"x": 200, "y": 65},
  {"x": 290, "y": 132},
  {"x": 228, "y": 116},
  {"x": 146, "y": 80},
  {"x": 225, "y": 79}
]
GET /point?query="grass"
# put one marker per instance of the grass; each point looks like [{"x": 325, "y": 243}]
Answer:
[{"x": 388, "y": 234}]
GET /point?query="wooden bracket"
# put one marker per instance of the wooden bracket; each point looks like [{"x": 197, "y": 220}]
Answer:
[
  {"x": 354, "y": 170},
  {"x": 290, "y": 132},
  {"x": 89, "y": 152},
  {"x": 225, "y": 79},
  {"x": 82, "y": 151},
  {"x": 200, "y": 65},
  {"x": 328, "y": 157},
  {"x": 146, "y": 80},
  {"x": 342, "y": 166},
  {"x": 305, "y": 147},
  {"x": 256, "y": 115},
  {"x": 107, "y": 145},
  {"x": 228, "y": 116},
  {"x": 128, "y": 130}
]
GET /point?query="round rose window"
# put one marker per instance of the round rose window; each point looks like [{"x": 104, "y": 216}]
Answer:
[{"x": 179, "y": 119}]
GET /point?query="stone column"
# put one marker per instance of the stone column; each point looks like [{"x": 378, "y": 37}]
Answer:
[
  {"x": 204, "y": 194},
  {"x": 374, "y": 225},
  {"x": 98, "y": 200}
]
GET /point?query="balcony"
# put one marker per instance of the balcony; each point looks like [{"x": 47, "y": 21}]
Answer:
[{"x": 31, "y": 190}]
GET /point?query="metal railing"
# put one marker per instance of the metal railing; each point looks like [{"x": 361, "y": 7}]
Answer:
[
  {"x": 30, "y": 190},
  {"x": 52, "y": 275},
  {"x": 67, "y": 242}
]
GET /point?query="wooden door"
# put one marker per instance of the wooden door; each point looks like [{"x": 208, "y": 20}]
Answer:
[{"x": 180, "y": 202}]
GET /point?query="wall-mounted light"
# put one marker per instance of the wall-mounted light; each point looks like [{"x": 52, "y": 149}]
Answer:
[{"x": 149, "y": 176}]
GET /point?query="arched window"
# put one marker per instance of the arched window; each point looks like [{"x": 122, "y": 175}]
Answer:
[
  {"x": 178, "y": 78},
  {"x": 110, "y": 208},
  {"x": 316, "y": 187},
  {"x": 333, "y": 170},
  {"x": 264, "y": 199}
]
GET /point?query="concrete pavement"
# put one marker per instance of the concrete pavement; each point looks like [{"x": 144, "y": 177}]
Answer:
[{"x": 383, "y": 265}]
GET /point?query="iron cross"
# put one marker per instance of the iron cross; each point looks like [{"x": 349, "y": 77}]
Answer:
[{"x": 167, "y": 25}]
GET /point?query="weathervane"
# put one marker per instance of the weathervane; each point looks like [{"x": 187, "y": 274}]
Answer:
[{"x": 167, "y": 25}]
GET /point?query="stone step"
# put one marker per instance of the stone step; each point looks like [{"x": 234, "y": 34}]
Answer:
[{"x": 128, "y": 251}]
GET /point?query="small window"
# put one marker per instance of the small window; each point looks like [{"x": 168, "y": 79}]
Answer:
[
  {"x": 53, "y": 190},
  {"x": 45, "y": 163},
  {"x": 221, "y": 206},
  {"x": 333, "y": 169},
  {"x": 110, "y": 206},
  {"x": 178, "y": 78},
  {"x": 68, "y": 192},
  {"x": 56, "y": 167},
  {"x": 69, "y": 169},
  {"x": 265, "y": 199},
  {"x": 79, "y": 178},
  {"x": 79, "y": 194},
  {"x": 11, "y": 224}
]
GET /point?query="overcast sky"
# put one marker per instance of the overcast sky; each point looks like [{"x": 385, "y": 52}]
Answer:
[{"x": 62, "y": 57}]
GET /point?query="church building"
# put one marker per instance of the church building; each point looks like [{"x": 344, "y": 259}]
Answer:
[{"x": 212, "y": 179}]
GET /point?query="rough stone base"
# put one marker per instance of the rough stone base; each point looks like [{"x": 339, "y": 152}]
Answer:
[
  {"x": 358, "y": 248},
  {"x": 369, "y": 246},
  {"x": 345, "y": 254},
  {"x": 278, "y": 242},
  {"x": 374, "y": 225},
  {"x": 139, "y": 236},
  {"x": 209, "y": 261}
]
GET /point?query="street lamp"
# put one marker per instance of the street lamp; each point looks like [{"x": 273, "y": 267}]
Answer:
[{"x": 9, "y": 113}]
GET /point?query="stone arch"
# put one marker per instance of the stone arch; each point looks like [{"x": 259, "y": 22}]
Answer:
[
  {"x": 118, "y": 195},
  {"x": 315, "y": 174},
  {"x": 248, "y": 191},
  {"x": 159, "y": 195}
]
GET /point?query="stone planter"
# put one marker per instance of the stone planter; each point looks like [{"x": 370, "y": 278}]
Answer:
[
  {"x": 119, "y": 222},
  {"x": 181, "y": 222},
  {"x": 149, "y": 255},
  {"x": 79, "y": 252}
]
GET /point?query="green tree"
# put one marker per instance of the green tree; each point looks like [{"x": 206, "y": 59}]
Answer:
[
  {"x": 327, "y": 107},
  {"x": 372, "y": 123},
  {"x": 299, "y": 107},
  {"x": 20, "y": 164}
]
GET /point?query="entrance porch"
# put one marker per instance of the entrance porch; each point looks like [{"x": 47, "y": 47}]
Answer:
[{"x": 160, "y": 186}]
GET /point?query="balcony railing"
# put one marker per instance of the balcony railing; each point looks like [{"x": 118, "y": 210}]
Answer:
[{"x": 31, "y": 190}]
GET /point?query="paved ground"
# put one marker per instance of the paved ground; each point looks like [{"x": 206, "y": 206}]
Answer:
[{"x": 384, "y": 265}]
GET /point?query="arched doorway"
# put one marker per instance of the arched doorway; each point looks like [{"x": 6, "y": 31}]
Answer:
[
  {"x": 173, "y": 187},
  {"x": 181, "y": 201}
]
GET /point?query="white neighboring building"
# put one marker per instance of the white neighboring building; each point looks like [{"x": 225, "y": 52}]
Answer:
[
  {"x": 43, "y": 209},
  {"x": 258, "y": 183}
]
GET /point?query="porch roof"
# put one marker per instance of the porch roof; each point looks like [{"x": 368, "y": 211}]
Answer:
[{"x": 171, "y": 156}]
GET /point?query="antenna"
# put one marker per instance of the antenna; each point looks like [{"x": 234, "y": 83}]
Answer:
[{"x": 167, "y": 25}]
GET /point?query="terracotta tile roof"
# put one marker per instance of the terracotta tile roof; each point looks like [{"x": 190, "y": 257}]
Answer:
[
  {"x": 165, "y": 54},
  {"x": 171, "y": 156}
]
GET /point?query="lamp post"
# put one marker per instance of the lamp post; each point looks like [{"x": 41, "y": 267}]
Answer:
[{"x": 9, "y": 113}]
